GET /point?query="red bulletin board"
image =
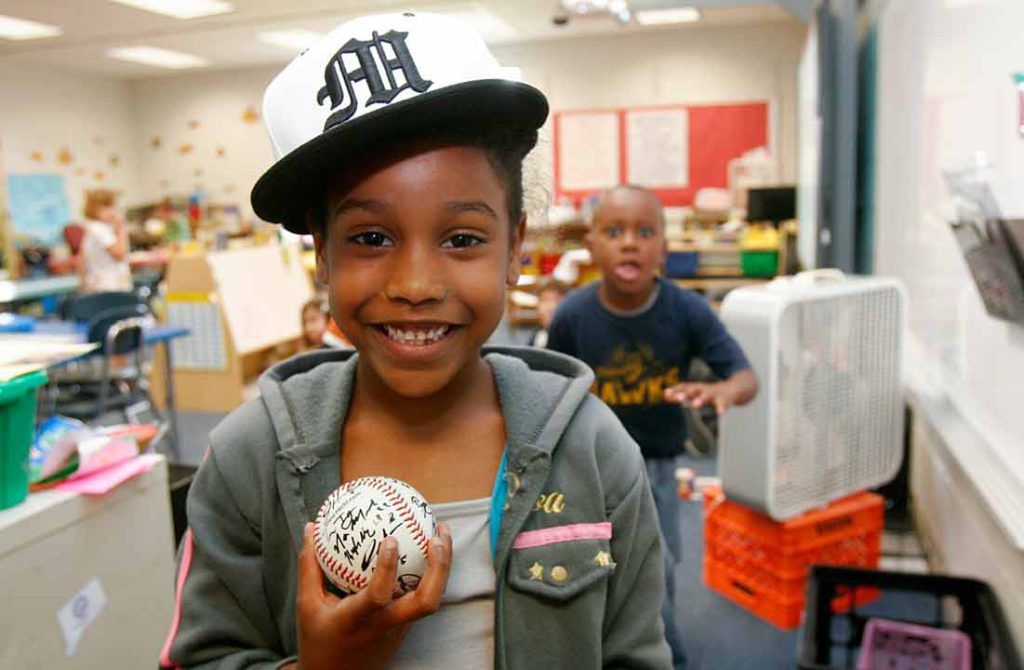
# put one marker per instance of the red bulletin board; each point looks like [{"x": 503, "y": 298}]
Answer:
[{"x": 716, "y": 134}]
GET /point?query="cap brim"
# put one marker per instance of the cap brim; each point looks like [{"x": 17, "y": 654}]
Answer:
[{"x": 282, "y": 194}]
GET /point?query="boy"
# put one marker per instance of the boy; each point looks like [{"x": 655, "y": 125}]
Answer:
[{"x": 638, "y": 332}]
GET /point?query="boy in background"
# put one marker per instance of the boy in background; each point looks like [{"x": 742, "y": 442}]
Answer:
[{"x": 639, "y": 333}]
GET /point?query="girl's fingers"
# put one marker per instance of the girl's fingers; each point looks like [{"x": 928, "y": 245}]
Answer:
[
  {"x": 426, "y": 599},
  {"x": 381, "y": 589}
]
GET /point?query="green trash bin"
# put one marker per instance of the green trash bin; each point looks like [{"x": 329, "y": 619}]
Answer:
[{"x": 17, "y": 424}]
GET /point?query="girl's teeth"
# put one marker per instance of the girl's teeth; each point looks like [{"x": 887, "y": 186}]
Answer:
[{"x": 416, "y": 336}]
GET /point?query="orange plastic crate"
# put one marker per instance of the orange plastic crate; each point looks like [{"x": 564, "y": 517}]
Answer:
[
  {"x": 762, "y": 564},
  {"x": 758, "y": 602},
  {"x": 847, "y": 532}
]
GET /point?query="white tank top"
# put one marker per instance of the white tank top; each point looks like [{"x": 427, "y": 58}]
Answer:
[{"x": 460, "y": 635}]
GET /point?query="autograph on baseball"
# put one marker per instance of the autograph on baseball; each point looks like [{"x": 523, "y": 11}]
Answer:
[{"x": 356, "y": 518}]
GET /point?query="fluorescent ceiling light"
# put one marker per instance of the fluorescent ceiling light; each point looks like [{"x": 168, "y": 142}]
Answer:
[
  {"x": 21, "y": 29},
  {"x": 172, "y": 60},
  {"x": 181, "y": 9},
  {"x": 294, "y": 40},
  {"x": 659, "y": 17}
]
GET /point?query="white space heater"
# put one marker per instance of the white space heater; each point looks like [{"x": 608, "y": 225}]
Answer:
[{"x": 828, "y": 420}]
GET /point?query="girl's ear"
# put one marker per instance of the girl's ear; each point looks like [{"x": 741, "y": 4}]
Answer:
[
  {"x": 320, "y": 244},
  {"x": 515, "y": 249}
]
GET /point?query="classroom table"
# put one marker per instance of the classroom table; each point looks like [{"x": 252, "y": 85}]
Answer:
[
  {"x": 77, "y": 332},
  {"x": 19, "y": 290}
]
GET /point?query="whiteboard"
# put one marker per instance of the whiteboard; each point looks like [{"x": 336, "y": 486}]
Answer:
[
  {"x": 942, "y": 100},
  {"x": 588, "y": 150},
  {"x": 262, "y": 290}
]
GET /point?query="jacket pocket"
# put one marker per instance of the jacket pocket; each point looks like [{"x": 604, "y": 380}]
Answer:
[{"x": 560, "y": 570}]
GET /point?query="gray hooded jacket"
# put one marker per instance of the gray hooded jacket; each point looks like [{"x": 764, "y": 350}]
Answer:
[{"x": 570, "y": 466}]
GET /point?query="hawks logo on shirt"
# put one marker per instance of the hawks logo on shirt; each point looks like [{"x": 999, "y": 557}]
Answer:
[{"x": 633, "y": 378}]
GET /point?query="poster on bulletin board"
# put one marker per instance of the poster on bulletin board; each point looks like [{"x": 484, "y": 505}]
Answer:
[
  {"x": 675, "y": 150},
  {"x": 38, "y": 207},
  {"x": 657, "y": 148},
  {"x": 588, "y": 150}
]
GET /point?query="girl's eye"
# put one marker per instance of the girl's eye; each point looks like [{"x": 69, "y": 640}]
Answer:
[
  {"x": 461, "y": 241},
  {"x": 372, "y": 239},
  {"x": 613, "y": 231},
  {"x": 646, "y": 233}
]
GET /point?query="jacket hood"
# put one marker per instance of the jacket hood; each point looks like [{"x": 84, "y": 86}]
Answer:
[{"x": 307, "y": 398}]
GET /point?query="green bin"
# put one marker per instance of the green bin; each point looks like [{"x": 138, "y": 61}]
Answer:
[
  {"x": 17, "y": 424},
  {"x": 759, "y": 263}
]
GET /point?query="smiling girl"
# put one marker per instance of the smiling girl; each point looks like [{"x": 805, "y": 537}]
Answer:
[{"x": 402, "y": 151}]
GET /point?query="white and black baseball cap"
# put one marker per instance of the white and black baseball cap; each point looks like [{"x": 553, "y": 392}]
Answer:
[{"x": 370, "y": 81}]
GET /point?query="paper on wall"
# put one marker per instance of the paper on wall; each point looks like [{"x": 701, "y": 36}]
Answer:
[
  {"x": 588, "y": 151},
  {"x": 658, "y": 148},
  {"x": 78, "y": 613}
]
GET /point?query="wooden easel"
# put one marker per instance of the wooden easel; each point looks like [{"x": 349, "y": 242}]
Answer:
[{"x": 254, "y": 296}]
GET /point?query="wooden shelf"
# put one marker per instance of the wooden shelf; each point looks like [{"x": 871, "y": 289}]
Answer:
[
  {"x": 718, "y": 248},
  {"x": 720, "y": 283}
]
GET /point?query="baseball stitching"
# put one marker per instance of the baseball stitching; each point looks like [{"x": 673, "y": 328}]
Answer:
[
  {"x": 402, "y": 507},
  {"x": 341, "y": 571}
]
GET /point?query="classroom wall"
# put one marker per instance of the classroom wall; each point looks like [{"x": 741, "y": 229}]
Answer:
[
  {"x": 203, "y": 131},
  {"x": 945, "y": 91},
  {"x": 706, "y": 65},
  {"x": 76, "y": 125},
  {"x": 692, "y": 65}
]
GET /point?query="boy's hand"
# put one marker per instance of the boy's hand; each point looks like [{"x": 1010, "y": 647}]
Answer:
[
  {"x": 364, "y": 630},
  {"x": 698, "y": 394}
]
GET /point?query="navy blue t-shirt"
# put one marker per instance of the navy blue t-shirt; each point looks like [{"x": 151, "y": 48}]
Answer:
[{"x": 635, "y": 358}]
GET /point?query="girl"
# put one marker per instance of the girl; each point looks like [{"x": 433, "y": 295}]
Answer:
[
  {"x": 104, "y": 250},
  {"x": 402, "y": 155}
]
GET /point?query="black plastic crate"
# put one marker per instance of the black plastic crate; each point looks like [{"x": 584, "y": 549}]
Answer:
[{"x": 831, "y": 641}]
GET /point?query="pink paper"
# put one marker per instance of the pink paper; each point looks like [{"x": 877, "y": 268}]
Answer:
[{"x": 103, "y": 481}]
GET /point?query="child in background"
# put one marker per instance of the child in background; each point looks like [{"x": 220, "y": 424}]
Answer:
[
  {"x": 315, "y": 316},
  {"x": 334, "y": 338},
  {"x": 549, "y": 296},
  {"x": 547, "y": 553},
  {"x": 103, "y": 255},
  {"x": 639, "y": 332}
]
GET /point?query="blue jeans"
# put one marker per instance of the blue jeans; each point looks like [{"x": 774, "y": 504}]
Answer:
[{"x": 662, "y": 474}]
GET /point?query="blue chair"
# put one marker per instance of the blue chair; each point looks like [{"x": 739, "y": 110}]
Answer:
[
  {"x": 115, "y": 376},
  {"x": 85, "y": 306}
]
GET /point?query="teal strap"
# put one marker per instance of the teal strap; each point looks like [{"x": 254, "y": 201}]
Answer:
[{"x": 498, "y": 497}]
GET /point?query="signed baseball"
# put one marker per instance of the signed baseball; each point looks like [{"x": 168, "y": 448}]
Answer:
[{"x": 356, "y": 518}]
